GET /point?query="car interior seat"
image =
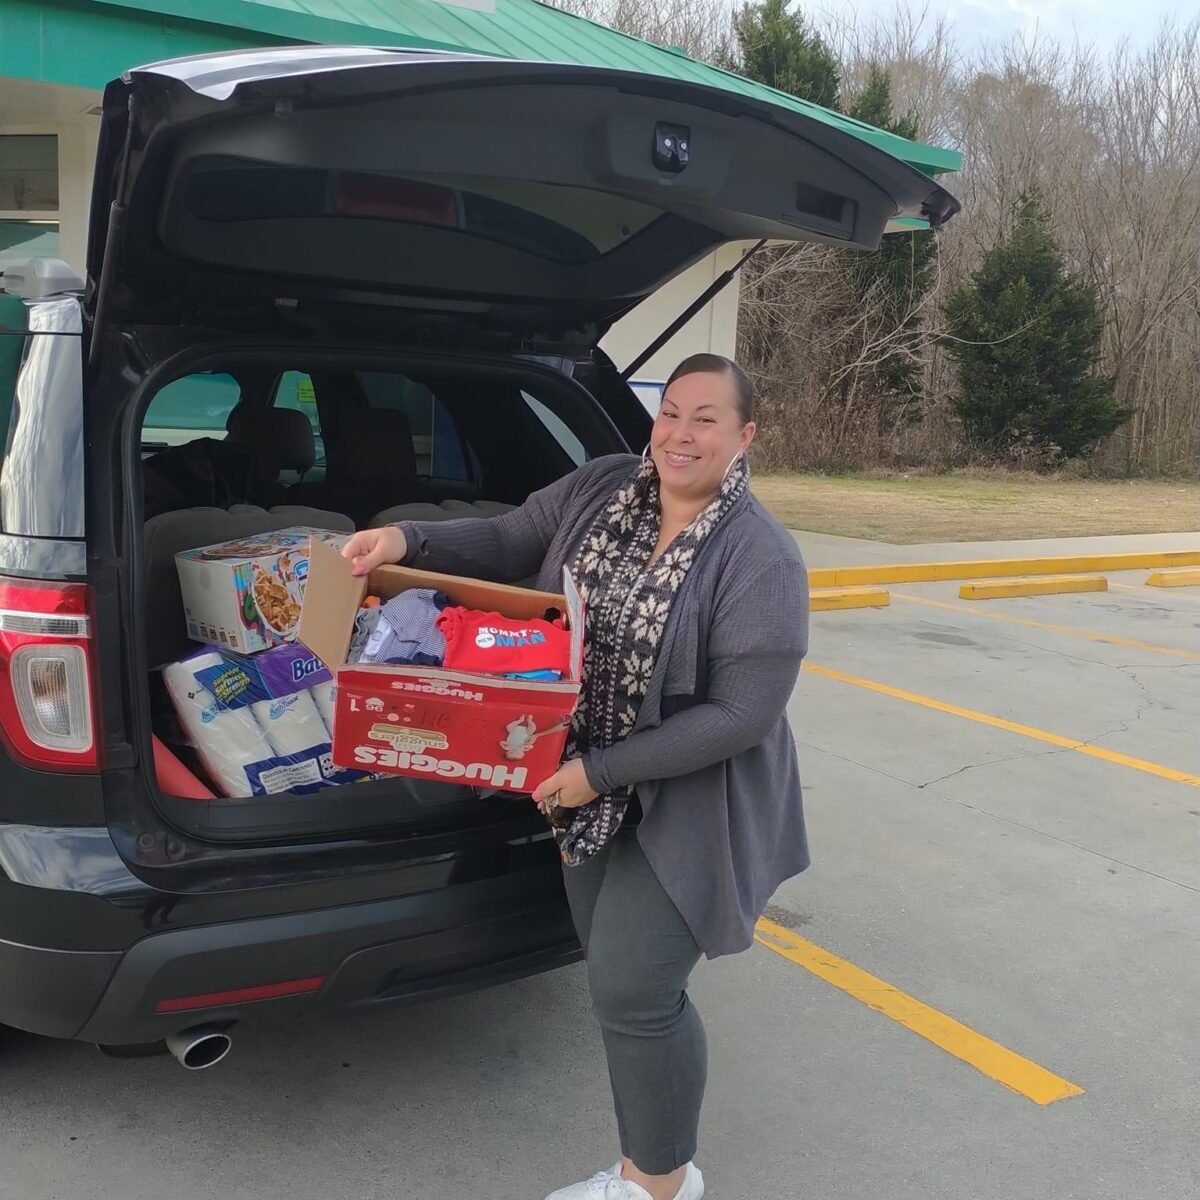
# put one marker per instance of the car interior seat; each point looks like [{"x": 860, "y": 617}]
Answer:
[
  {"x": 282, "y": 437},
  {"x": 370, "y": 463}
]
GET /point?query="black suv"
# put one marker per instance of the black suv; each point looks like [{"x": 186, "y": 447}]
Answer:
[{"x": 333, "y": 287}]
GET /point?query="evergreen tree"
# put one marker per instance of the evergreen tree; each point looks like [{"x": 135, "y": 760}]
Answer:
[
  {"x": 899, "y": 272},
  {"x": 778, "y": 49},
  {"x": 873, "y": 105},
  {"x": 1029, "y": 347}
]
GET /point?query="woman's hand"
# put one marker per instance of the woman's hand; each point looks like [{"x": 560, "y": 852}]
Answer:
[
  {"x": 371, "y": 548},
  {"x": 566, "y": 788}
]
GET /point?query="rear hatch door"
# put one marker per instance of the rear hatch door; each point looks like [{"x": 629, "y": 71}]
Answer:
[{"x": 484, "y": 200}]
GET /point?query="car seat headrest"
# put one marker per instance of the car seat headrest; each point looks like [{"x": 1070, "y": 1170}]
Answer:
[
  {"x": 373, "y": 445},
  {"x": 282, "y": 435}
]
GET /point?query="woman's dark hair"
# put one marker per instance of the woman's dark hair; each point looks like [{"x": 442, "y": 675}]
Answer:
[{"x": 718, "y": 364}]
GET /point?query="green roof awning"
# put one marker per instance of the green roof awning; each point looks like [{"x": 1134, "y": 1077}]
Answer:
[{"x": 47, "y": 40}]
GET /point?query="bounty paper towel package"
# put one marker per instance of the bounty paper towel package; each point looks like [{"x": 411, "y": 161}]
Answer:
[
  {"x": 253, "y": 746},
  {"x": 229, "y": 741},
  {"x": 245, "y": 595}
]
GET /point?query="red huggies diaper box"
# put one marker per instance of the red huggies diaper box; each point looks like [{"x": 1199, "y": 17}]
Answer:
[{"x": 430, "y": 722}]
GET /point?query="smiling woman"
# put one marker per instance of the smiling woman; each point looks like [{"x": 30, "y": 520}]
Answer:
[
  {"x": 704, "y": 425},
  {"x": 677, "y": 812}
]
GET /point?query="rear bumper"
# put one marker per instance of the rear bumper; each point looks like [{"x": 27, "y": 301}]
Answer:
[{"x": 368, "y": 955}]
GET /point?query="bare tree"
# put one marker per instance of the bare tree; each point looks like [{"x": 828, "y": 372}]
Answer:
[
  {"x": 1111, "y": 142},
  {"x": 1114, "y": 146},
  {"x": 918, "y": 51},
  {"x": 700, "y": 28}
]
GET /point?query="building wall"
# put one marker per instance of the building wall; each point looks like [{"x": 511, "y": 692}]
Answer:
[
  {"x": 30, "y": 107},
  {"x": 76, "y": 166},
  {"x": 712, "y": 329}
]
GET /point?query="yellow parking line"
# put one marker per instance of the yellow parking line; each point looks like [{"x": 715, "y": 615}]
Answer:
[
  {"x": 1041, "y": 735},
  {"x": 1110, "y": 638},
  {"x": 997, "y": 1062}
]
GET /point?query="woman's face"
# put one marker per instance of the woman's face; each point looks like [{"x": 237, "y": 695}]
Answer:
[{"x": 697, "y": 433}]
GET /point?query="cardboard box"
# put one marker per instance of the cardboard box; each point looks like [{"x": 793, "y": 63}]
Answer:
[
  {"x": 429, "y": 722},
  {"x": 246, "y": 594}
]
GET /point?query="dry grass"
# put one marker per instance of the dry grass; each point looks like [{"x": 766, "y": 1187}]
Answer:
[{"x": 977, "y": 506}]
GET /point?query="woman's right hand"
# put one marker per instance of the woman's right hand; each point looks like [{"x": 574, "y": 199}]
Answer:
[{"x": 371, "y": 548}]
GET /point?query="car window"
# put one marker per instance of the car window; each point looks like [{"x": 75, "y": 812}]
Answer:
[
  {"x": 559, "y": 430},
  {"x": 193, "y": 407},
  {"x": 295, "y": 390},
  {"x": 440, "y": 450},
  {"x": 649, "y": 392}
]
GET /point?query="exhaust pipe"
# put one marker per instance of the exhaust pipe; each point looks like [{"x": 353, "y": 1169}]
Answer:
[{"x": 200, "y": 1047}]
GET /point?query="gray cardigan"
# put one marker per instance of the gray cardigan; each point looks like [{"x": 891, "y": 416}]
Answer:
[{"x": 712, "y": 755}]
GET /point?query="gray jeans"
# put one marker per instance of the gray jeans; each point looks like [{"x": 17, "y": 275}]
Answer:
[{"x": 639, "y": 956}]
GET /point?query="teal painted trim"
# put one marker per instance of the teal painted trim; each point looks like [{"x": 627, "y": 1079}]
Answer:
[
  {"x": 87, "y": 42},
  {"x": 282, "y": 25},
  {"x": 80, "y": 44},
  {"x": 517, "y": 29}
]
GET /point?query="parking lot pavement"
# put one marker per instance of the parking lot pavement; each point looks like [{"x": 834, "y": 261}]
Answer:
[{"x": 1002, "y": 890}]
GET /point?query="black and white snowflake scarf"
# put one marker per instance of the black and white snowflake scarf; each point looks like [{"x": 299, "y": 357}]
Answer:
[{"x": 628, "y": 601}]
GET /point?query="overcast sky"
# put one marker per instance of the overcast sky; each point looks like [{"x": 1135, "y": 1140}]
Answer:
[{"x": 1102, "y": 23}]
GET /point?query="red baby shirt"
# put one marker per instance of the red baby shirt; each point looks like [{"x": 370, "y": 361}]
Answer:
[{"x": 494, "y": 645}]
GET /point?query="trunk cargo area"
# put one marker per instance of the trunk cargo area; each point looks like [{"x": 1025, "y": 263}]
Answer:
[{"x": 259, "y": 453}]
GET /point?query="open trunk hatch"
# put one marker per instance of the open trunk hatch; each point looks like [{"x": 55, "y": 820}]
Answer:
[{"x": 503, "y": 200}]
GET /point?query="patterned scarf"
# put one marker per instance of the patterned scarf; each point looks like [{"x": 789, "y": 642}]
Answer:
[{"x": 628, "y": 601}]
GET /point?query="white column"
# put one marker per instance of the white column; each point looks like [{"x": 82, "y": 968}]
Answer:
[
  {"x": 723, "y": 311},
  {"x": 712, "y": 329},
  {"x": 76, "y": 164}
]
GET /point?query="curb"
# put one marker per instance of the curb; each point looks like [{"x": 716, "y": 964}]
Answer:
[
  {"x": 1043, "y": 585},
  {"x": 932, "y": 572},
  {"x": 1162, "y": 579},
  {"x": 829, "y": 599}
]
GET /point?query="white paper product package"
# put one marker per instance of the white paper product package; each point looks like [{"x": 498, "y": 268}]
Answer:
[
  {"x": 323, "y": 694},
  {"x": 275, "y": 745},
  {"x": 292, "y": 723},
  {"x": 228, "y": 741}
]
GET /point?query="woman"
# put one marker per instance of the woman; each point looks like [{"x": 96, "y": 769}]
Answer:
[{"x": 677, "y": 809}]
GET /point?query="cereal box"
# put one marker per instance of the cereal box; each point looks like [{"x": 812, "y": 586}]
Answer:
[{"x": 245, "y": 595}]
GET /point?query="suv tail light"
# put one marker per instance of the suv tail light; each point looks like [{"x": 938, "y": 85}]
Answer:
[{"x": 47, "y": 675}]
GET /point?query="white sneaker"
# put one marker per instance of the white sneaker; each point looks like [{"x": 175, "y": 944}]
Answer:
[{"x": 608, "y": 1185}]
